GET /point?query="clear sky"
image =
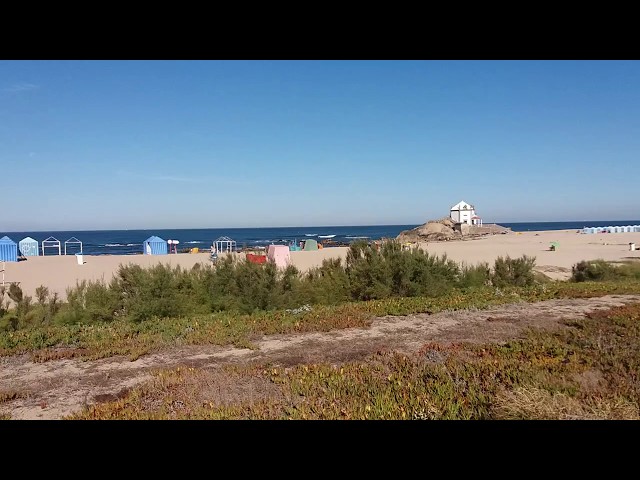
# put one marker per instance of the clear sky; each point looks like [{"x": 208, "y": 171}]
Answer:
[{"x": 90, "y": 145}]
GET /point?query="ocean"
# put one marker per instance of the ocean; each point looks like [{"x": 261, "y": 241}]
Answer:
[{"x": 129, "y": 242}]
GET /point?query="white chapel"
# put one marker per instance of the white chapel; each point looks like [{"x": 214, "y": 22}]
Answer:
[{"x": 463, "y": 212}]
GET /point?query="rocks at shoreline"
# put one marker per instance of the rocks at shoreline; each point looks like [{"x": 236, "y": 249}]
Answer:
[{"x": 446, "y": 229}]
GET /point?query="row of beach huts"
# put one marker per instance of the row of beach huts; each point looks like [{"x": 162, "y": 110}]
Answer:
[
  {"x": 28, "y": 247},
  {"x": 11, "y": 251},
  {"x": 617, "y": 229}
]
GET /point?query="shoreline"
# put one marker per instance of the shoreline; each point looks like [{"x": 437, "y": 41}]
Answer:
[{"x": 60, "y": 272}]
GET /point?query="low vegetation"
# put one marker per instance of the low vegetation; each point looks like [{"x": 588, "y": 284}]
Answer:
[
  {"x": 137, "y": 295},
  {"x": 601, "y": 270},
  {"x": 234, "y": 302},
  {"x": 587, "y": 370}
]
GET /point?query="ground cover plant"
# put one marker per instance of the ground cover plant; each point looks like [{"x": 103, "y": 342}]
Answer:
[{"x": 585, "y": 370}]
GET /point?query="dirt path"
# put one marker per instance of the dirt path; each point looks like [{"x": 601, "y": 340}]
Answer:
[{"x": 54, "y": 389}]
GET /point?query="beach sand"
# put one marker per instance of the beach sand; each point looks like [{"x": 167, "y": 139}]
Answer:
[{"x": 60, "y": 272}]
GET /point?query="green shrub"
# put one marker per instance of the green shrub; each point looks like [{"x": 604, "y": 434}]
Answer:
[
  {"x": 237, "y": 286},
  {"x": 324, "y": 285},
  {"x": 513, "y": 271},
  {"x": 42, "y": 295},
  {"x": 475, "y": 275},
  {"x": 431, "y": 275},
  {"x": 600, "y": 270},
  {"x": 368, "y": 273},
  {"x": 256, "y": 286},
  {"x": 87, "y": 302}
]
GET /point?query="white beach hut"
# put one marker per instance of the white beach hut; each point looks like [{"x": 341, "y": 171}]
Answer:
[
  {"x": 28, "y": 247},
  {"x": 225, "y": 244},
  {"x": 51, "y": 242},
  {"x": 72, "y": 241}
]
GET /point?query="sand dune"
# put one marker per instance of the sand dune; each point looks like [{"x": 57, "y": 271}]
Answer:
[{"x": 60, "y": 272}]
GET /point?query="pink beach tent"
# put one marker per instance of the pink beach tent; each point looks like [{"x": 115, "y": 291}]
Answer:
[{"x": 279, "y": 254}]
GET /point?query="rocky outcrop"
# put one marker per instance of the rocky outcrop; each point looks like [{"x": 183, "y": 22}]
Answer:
[{"x": 446, "y": 229}]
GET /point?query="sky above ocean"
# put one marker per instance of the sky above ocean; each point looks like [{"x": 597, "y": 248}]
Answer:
[{"x": 224, "y": 144}]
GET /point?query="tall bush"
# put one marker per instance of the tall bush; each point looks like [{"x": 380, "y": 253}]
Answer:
[{"x": 513, "y": 271}]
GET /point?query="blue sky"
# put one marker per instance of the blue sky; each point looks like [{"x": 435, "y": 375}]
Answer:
[{"x": 203, "y": 144}]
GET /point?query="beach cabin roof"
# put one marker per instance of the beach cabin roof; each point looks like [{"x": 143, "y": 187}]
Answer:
[
  {"x": 8, "y": 250},
  {"x": 462, "y": 205},
  {"x": 154, "y": 239},
  {"x": 224, "y": 239}
]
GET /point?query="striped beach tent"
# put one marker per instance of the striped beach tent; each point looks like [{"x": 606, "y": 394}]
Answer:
[
  {"x": 8, "y": 250},
  {"x": 155, "y": 246},
  {"x": 28, "y": 247}
]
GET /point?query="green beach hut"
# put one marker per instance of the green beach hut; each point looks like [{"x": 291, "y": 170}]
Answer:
[{"x": 310, "y": 244}]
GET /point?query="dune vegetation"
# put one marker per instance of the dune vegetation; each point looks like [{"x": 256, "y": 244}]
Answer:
[{"x": 585, "y": 370}]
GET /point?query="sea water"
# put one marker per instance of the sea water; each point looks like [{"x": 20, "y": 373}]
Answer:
[{"x": 129, "y": 242}]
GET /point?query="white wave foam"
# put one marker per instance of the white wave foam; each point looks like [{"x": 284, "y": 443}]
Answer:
[
  {"x": 310, "y": 234},
  {"x": 326, "y": 236},
  {"x": 114, "y": 245}
]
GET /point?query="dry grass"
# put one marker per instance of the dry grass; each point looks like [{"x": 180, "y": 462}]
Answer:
[
  {"x": 538, "y": 404},
  {"x": 8, "y": 396}
]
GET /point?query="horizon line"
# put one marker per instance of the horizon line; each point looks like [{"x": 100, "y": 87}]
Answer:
[{"x": 302, "y": 226}]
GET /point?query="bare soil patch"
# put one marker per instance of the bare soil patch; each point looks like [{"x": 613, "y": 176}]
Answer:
[{"x": 57, "y": 388}]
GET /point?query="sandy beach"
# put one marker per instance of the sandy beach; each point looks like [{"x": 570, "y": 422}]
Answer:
[{"x": 60, "y": 272}]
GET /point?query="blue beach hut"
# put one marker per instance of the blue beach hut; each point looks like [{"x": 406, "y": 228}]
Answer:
[
  {"x": 28, "y": 247},
  {"x": 8, "y": 250},
  {"x": 154, "y": 246}
]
